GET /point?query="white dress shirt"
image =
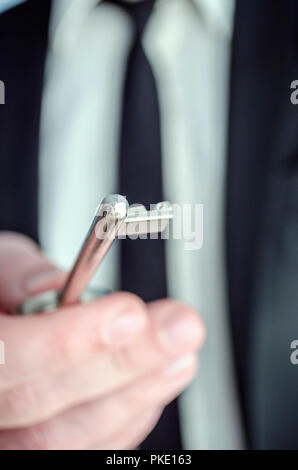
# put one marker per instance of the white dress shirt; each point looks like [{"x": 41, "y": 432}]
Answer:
[{"x": 188, "y": 45}]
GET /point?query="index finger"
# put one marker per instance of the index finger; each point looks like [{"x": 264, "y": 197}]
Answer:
[{"x": 50, "y": 343}]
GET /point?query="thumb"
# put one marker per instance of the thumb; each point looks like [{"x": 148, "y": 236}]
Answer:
[{"x": 24, "y": 270}]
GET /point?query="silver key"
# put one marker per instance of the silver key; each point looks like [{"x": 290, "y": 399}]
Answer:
[{"x": 114, "y": 219}]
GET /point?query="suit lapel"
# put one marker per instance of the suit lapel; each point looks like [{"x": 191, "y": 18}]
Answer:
[
  {"x": 259, "y": 148},
  {"x": 23, "y": 43}
]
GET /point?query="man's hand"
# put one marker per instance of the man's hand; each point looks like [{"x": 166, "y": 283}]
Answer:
[{"x": 90, "y": 376}]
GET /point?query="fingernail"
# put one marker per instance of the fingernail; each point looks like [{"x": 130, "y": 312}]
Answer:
[
  {"x": 41, "y": 280},
  {"x": 181, "y": 364},
  {"x": 124, "y": 326},
  {"x": 179, "y": 330}
]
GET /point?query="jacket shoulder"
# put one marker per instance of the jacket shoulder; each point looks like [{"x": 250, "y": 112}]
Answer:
[{"x": 27, "y": 18}]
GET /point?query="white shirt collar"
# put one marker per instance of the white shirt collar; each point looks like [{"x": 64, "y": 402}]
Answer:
[
  {"x": 68, "y": 17},
  {"x": 217, "y": 14}
]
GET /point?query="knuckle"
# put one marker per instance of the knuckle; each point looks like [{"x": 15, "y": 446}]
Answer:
[
  {"x": 75, "y": 340},
  {"x": 123, "y": 359},
  {"x": 63, "y": 346}
]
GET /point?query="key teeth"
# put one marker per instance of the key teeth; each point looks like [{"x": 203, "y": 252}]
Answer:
[
  {"x": 163, "y": 205},
  {"x": 141, "y": 222}
]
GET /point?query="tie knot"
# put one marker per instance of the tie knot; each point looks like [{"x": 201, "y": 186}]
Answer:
[{"x": 139, "y": 11}]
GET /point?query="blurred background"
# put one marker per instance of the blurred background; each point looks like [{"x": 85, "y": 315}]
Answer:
[{"x": 4, "y": 4}]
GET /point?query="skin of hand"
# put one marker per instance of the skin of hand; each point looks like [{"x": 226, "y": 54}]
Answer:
[{"x": 88, "y": 376}]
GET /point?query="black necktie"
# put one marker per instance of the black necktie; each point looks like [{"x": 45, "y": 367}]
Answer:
[{"x": 140, "y": 180}]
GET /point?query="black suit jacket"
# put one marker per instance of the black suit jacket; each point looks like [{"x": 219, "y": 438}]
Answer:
[{"x": 261, "y": 202}]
